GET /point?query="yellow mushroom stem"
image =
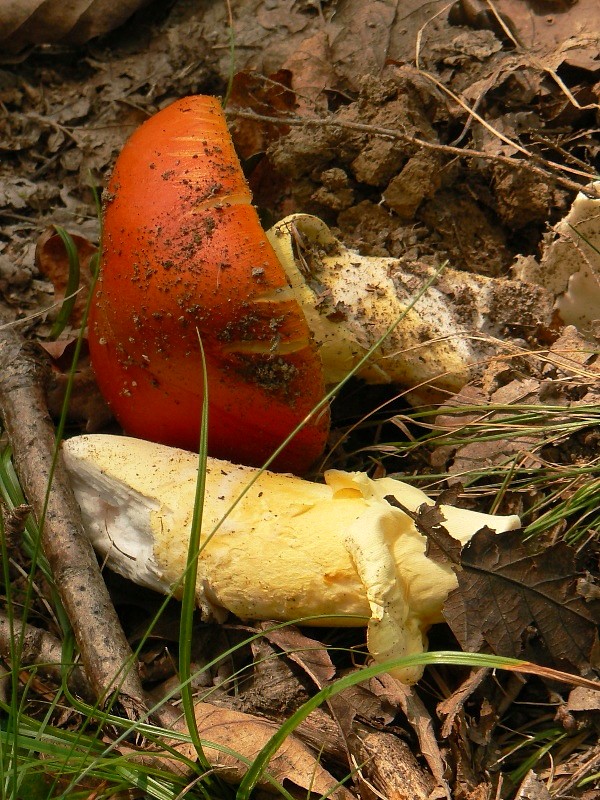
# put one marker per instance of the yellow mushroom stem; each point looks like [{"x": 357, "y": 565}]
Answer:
[{"x": 289, "y": 549}]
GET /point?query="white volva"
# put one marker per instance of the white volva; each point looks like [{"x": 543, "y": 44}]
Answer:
[{"x": 289, "y": 549}]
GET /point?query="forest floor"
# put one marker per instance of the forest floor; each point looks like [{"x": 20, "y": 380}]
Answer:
[{"x": 434, "y": 133}]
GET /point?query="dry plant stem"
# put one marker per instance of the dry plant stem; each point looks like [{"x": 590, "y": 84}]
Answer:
[
  {"x": 42, "y": 650},
  {"x": 390, "y": 133},
  {"x": 104, "y": 649},
  {"x": 565, "y": 786}
]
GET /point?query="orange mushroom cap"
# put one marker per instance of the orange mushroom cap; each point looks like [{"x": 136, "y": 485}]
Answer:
[{"x": 184, "y": 255}]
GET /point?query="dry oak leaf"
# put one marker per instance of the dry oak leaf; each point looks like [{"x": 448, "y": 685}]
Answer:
[
  {"x": 29, "y": 22},
  {"x": 246, "y": 735},
  {"x": 556, "y": 32},
  {"x": 52, "y": 260},
  {"x": 522, "y": 604}
]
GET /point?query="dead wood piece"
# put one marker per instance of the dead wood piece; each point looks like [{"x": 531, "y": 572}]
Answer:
[
  {"x": 14, "y": 524},
  {"x": 104, "y": 648},
  {"x": 420, "y": 720},
  {"x": 389, "y": 766},
  {"x": 41, "y": 649}
]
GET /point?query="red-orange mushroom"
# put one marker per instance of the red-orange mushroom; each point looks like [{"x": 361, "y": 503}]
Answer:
[{"x": 184, "y": 255}]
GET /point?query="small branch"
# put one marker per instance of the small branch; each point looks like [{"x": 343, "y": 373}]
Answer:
[
  {"x": 390, "y": 133},
  {"x": 104, "y": 648},
  {"x": 42, "y": 650}
]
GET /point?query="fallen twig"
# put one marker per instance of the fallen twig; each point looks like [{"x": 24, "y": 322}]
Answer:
[
  {"x": 42, "y": 650},
  {"x": 104, "y": 649},
  {"x": 391, "y": 133}
]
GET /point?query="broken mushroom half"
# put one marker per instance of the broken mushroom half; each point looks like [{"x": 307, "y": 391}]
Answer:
[
  {"x": 280, "y": 316},
  {"x": 362, "y": 312},
  {"x": 184, "y": 258},
  {"x": 339, "y": 553}
]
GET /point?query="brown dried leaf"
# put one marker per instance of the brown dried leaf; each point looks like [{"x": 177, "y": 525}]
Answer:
[
  {"x": 365, "y": 36},
  {"x": 565, "y": 33},
  {"x": 87, "y": 407},
  {"x": 31, "y": 22},
  {"x": 429, "y": 520},
  {"x": 441, "y": 546},
  {"x": 60, "y": 351},
  {"x": 246, "y": 735},
  {"x": 313, "y": 72},
  {"x": 264, "y": 96},
  {"x": 52, "y": 261},
  {"x": 567, "y": 375},
  {"x": 532, "y": 788},
  {"x": 283, "y": 14},
  {"x": 481, "y": 454},
  {"x": 450, "y": 708},
  {"x": 308, "y": 653},
  {"x": 583, "y": 699},
  {"x": 516, "y": 603},
  {"x": 86, "y": 404}
]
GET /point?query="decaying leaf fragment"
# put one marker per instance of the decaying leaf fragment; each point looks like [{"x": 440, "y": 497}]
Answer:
[
  {"x": 289, "y": 549},
  {"x": 31, "y": 22}
]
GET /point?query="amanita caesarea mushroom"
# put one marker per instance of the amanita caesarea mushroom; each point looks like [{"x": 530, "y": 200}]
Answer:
[
  {"x": 289, "y": 549},
  {"x": 280, "y": 316},
  {"x": 351, "y": 301}
]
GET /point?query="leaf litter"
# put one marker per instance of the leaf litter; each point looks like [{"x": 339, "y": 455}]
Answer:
[{"x": 531, "y": 73}]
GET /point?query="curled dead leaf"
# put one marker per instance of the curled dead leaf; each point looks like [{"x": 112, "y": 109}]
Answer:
[
  {"x": 32, "y": 22},
  {"x": 234, "y": 732},
  {"x": 52, "y": 260}
]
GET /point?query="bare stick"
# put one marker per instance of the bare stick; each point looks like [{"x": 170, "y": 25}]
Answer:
[
  {"x": 463, "y": 152},
  {"x": 42, "y": 650},
  {"x": 104, "y": 648}
]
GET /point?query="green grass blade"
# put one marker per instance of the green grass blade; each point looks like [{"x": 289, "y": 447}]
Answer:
[
  {"x": 72, "y": 286},
  {"x": 191, "y": 573}
]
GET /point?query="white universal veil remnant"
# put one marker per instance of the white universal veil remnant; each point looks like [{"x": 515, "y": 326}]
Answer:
[
  {"x": 570, "y": 265},
  {"x": 350, "y": 301},
  {"x": 289, "y": 549}
]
